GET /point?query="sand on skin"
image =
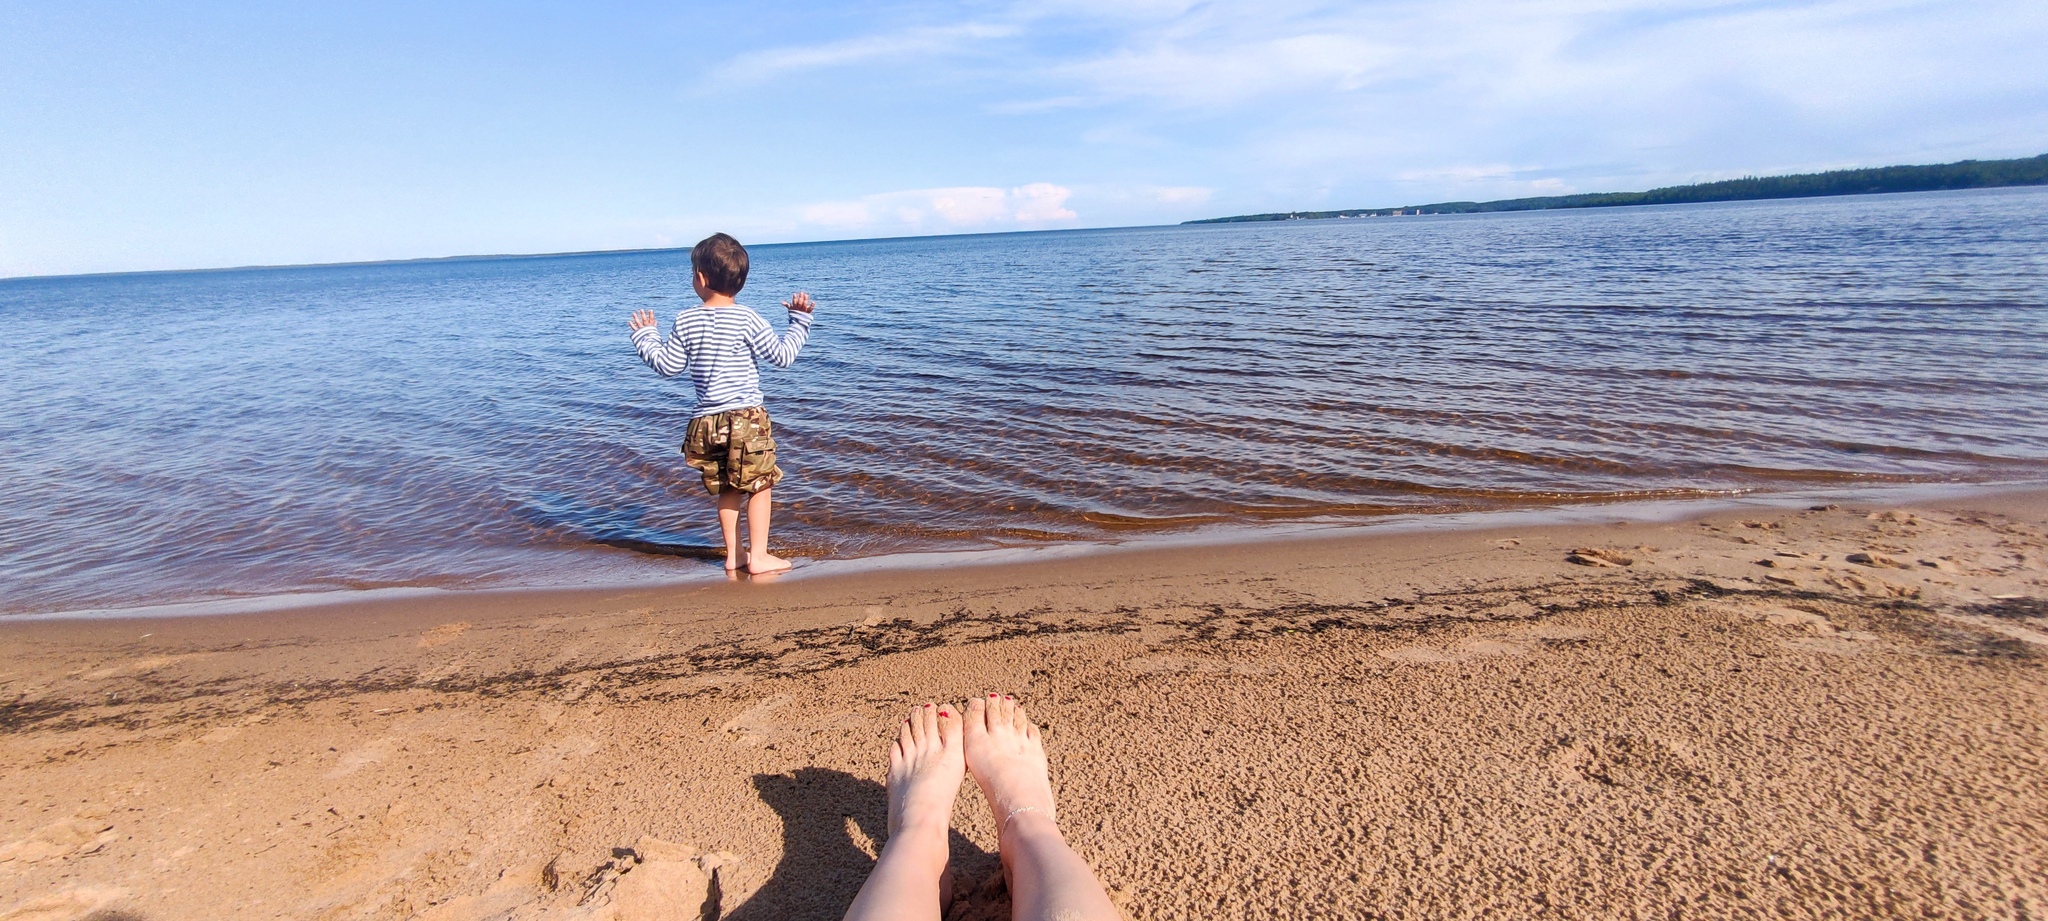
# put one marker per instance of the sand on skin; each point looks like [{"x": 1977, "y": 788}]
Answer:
[{"x": 1739, "y": 723}]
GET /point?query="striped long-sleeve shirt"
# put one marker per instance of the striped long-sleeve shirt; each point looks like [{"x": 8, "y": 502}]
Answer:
[{"x": 721, "y": 346}]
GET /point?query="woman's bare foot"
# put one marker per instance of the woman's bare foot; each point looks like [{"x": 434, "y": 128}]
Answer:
[
  {"x": 1008, "y": 761},
  {"x": 1048, "y": 881},
  {"x": 761, "y": 564},
  {"x": 926, "y": 766}
]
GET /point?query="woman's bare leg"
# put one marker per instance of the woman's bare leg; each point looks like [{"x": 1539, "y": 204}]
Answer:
[
  {"x": 925, "y": 770},
  {"x": 1048, "y": 881}
]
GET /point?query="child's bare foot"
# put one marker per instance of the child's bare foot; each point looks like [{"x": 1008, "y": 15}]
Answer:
[
  {"x": 1008, "y": 760},
  {"x": 925, "y": 770},
  {"x": 761, "y": 564}
]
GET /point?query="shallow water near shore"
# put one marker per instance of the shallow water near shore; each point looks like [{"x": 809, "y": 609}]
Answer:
[{"x": 484, "y": 423}]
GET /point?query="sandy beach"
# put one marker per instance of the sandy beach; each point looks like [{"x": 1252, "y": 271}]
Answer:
[{"x": 1826, "y": 712}]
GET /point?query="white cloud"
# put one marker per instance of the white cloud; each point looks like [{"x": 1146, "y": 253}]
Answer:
[
  {"x": 1421, "y": 57},
  {"x": 1225, "y": 73},
  {"x": 776, "y": 62},
  {"x": 966, "y": 207},
  {"x": 1490, "y": 173},
  {"x": 1140, "y": 107},
  {"x": 1108, "y": 9},
  {"x": 1041, "y": 203},
  {"x": 1284, "y": 97},
  {"x": 954, "y": 209},
  {"x": 1490, "y": 180},
  {"x": 837, "y": 214},
  {"x": 1181, "y": 194}
]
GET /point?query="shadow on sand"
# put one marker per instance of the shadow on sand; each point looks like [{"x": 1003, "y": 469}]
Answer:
[{"x": 822, "y": 868}]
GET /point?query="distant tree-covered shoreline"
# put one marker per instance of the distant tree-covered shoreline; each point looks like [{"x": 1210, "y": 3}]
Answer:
[{"x": 1965, "y": 174}]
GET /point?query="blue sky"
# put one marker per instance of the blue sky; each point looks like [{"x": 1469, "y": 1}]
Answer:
[{"x": 168, "y": 135}]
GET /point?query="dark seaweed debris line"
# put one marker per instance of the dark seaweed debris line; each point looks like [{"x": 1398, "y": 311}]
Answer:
[{"x": 155, "y": 703}]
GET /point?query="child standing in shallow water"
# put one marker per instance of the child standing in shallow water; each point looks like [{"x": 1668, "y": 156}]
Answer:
[{"x": 721, "y": 343}]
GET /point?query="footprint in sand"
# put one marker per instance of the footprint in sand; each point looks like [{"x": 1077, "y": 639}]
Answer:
[
  {"x": 81, "y": 904},
  {"x": 1794, "y": 617},
  {"x": 1520, "y": 641},
  {"x": 759, "y": 724},
  {"x": 1820, "y": 634},
  {"x": 1555, "y": 633},
  {"x": 1193, "y": 665},
  {"x": 559, "y": 756},
  {"x": 515, "y": 887},
  {"x": 356, "y": 759},
  {"x": 140, "y": 666},
  {"x": 442, "y": 635},
  {"x": 754, "y": 725},
  {"x": 1625, "y": 761},
  {"x": 1829, "y": 645},
  {"x": 1871, "y": 586},
  {"x": 1477, "y": 647},
  {"x": 75, "y": 836}
]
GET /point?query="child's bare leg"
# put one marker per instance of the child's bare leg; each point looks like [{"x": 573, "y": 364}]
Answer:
[
  {"x": 759, "y": 560},
  {"x": 729, "y": 503},
  {"x": 925, "y": 770},
  {"x": 1047, "y": 879}
]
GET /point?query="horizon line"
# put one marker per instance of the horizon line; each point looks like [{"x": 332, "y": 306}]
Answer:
[
  {"x": 486, "y": 257},
  {"x": 566, "y": 254}
]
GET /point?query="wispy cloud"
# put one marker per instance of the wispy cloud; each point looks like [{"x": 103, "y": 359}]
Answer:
[
  {"x": 1181, "y": 194},
  {"x": 908, "y": 43},
  {"x": 1193, "y": 74},
  {"x": 1505, "y": 181},
  {"x": 960, "y": 208}
]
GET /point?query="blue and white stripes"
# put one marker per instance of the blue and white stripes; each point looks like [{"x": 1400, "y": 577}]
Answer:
[{"x": 720, "y": 346}]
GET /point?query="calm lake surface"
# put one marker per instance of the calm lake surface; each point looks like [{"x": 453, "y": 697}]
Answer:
[{"x": 206, "y": 435}]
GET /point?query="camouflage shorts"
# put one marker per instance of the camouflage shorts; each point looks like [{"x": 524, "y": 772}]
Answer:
[{"x": 734, "y": 450}]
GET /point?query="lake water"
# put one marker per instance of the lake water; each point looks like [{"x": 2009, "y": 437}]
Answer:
[{"x": 205, "y": 435}]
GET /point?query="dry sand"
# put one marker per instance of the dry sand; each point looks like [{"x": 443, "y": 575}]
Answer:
[{"x": 1738, "y": 721}]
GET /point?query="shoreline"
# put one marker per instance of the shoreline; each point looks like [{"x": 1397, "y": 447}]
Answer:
[{"x": 1645, "y": 511}]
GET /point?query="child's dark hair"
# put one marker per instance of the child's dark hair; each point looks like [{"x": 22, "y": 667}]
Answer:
[{"x": 723, "y": 261}]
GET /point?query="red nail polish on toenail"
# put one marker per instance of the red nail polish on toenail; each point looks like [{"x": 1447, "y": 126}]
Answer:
[{"x": 944, "y": 713}]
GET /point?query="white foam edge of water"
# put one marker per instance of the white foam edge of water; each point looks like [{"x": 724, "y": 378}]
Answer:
[
  {"x": 1646, "y": 511},
  {"x": 1642, "y": 511}
]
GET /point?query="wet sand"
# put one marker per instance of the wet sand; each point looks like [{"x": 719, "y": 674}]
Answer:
[{"x": 1729, "y": 716}]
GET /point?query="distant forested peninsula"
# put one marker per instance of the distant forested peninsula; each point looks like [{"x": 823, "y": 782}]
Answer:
[{"x": 1965, "y": 174}]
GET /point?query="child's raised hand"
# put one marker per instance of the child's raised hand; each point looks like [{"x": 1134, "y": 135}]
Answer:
[
  {"x": 641, "y": 320},
  {"x": 799, "y": 303}
]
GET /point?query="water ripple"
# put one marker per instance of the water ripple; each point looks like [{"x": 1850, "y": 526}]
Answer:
[{"x": 179, "y": 436}]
